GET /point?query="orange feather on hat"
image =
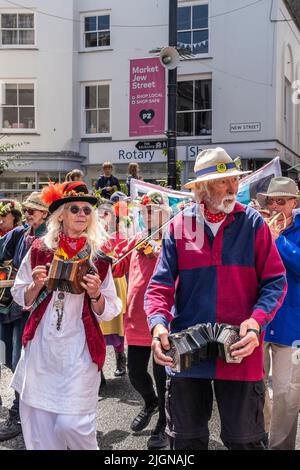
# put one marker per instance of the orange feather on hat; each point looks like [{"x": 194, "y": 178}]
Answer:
[{"x": 52, "y": 192}]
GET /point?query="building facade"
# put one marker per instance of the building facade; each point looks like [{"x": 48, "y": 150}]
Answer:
[{"x": 64, "y": 76}]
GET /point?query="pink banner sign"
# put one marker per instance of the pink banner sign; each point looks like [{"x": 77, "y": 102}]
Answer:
[{"x": 147, "y": 97}]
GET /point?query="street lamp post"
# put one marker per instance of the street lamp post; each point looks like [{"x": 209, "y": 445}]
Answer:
[{"x": 172, "y": 98}]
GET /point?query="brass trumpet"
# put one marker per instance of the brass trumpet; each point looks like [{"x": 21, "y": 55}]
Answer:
[{"x": 277, "y": 222}]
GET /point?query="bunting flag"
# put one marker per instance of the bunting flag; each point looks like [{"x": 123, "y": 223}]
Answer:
[
  {"x": 258, "y": 181},
  {"x": 194, "y": 45},
  {"x": 139, "y": 188}
]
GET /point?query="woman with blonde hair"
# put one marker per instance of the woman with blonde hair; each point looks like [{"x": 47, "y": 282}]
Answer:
[{"x": 58, "y": 374}]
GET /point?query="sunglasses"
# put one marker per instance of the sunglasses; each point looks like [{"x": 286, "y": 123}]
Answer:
[
  {"x": 279, "y": 202},
  {"x": 76, "y": 209},
  {"x": 30, "y": 211}
]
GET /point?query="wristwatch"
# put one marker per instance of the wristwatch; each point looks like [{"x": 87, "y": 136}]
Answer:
[{"x": 95, "y": 299}]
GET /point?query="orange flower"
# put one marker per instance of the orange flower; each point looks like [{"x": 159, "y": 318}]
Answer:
[
  {"x": 145, "y": 200},
  {"x": 121, "y": 209}
]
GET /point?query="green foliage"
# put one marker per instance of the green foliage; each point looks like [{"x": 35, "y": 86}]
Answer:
[
  {"x": 162, "y": 183},
  {"x": 123, "y": 188},
  {"x": 5, "y": 162},
  {"x": 179, "y": 168}
]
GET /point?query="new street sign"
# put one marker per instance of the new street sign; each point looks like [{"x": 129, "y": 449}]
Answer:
[{"x": 152, "y": 145}]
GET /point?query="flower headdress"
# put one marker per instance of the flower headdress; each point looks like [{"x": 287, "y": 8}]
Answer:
[
  {"x": 154, "y": 198},
  {"x": 8, "y": 206}
]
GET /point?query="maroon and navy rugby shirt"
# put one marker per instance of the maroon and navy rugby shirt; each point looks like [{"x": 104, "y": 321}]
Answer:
[{"x": 233, "y": 276}]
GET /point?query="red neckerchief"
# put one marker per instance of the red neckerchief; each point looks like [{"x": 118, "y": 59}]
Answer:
[
  {"x": 71, "y": 246},
  {"x": 4, "y": 232},
  {"x": 214, "y": 218}
]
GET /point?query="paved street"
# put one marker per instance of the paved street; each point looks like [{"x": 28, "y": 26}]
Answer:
[{"x": 118, "y": 405}]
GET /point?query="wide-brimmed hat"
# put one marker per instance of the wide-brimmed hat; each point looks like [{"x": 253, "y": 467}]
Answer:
[
  {"x": 212, "y": 164},
  {"x": 154, "y": 198},
  {"x": 71, "y": 191},
  {"x": 34, "y": 201},
  {"x": 280, "y": 186},
  {"x": 10, "y": 206}
]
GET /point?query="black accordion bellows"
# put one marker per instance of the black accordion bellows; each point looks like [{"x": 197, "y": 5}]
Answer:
[{"x": 200, "y": 342}]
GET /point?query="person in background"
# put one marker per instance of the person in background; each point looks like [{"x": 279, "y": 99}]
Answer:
[
  {"x": 133, "y": 172},
  {"x": 10, "y": 215},
  {"x": 107, "y": 183},
  {"x": 139, "y": 264},
  {"x": 113, "y": 330},
  {"x": 75, "y": 175},
  {"x": 14, "y": 245},
  {"x": 123, "y": 213},
  {"x": 283, "y": 333}
]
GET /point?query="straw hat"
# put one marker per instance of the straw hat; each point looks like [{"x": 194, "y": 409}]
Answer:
[
  {"x": 279, "y": 186},
  {"x": 34, "y": 201},
  {"x": 212, "y": 164}
]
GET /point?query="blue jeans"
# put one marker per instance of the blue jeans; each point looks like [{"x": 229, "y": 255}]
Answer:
[{"x": 11, "y": 334}]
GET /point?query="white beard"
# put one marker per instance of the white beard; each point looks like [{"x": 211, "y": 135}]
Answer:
[
  {"x": 220, "y": 206},
  {"x": 229, "y": 206}
]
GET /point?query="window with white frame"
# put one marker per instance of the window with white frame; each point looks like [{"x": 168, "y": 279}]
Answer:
[
  {"x": 192, "y": 28},
  {"x": 18, "y": 107},
  {"x": 97, "y": 108},
  {"x": 96, "y": 31},
  {"x": 17, "y": 29},
  {"x": 194, "y": 108}
]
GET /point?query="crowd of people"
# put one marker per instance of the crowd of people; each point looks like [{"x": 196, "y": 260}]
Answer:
[{"x": 81, "y": 277}]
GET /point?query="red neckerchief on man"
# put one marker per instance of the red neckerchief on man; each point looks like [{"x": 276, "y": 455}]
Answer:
[{"x": 214, "y": 218}]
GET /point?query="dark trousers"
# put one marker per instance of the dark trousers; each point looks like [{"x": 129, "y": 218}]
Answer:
[
  {"x": 11, "y": 335},
  {"x": 189, "y": 403},
  {"x": 138, "y": 360}
]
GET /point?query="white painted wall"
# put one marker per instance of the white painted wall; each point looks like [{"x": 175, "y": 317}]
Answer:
[
  {"x": 287, "y": 50},
  {"x": 244, "y": 61},
  {"x": 51, "y": 65}
]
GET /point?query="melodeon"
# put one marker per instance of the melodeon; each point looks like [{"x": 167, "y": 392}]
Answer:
[
  {"x": 200, "y": 342},
  {"x": 67, "y": 275}
]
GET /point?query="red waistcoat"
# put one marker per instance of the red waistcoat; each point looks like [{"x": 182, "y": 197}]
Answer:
[{"x": 40, "y": 256}]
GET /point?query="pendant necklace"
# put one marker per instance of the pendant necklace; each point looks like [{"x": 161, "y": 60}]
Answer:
[{"x": 59, "y": 308}]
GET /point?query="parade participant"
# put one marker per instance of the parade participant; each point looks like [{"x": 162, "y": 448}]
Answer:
[
  {"x": 14, "y": 246},
  {"x": 10, "y": 215},
  {"x": 75, "y": 175},
  {"x": 133, "y": 172},
  {"x": 139, "y": 266},
  {"x": 283, "y": 333},
  {"x": 58, "y": 372},
  {"x": 234, "y": 275},
  {"x": 114, "y": 330},
  {"x": 107, "y": 183}
]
